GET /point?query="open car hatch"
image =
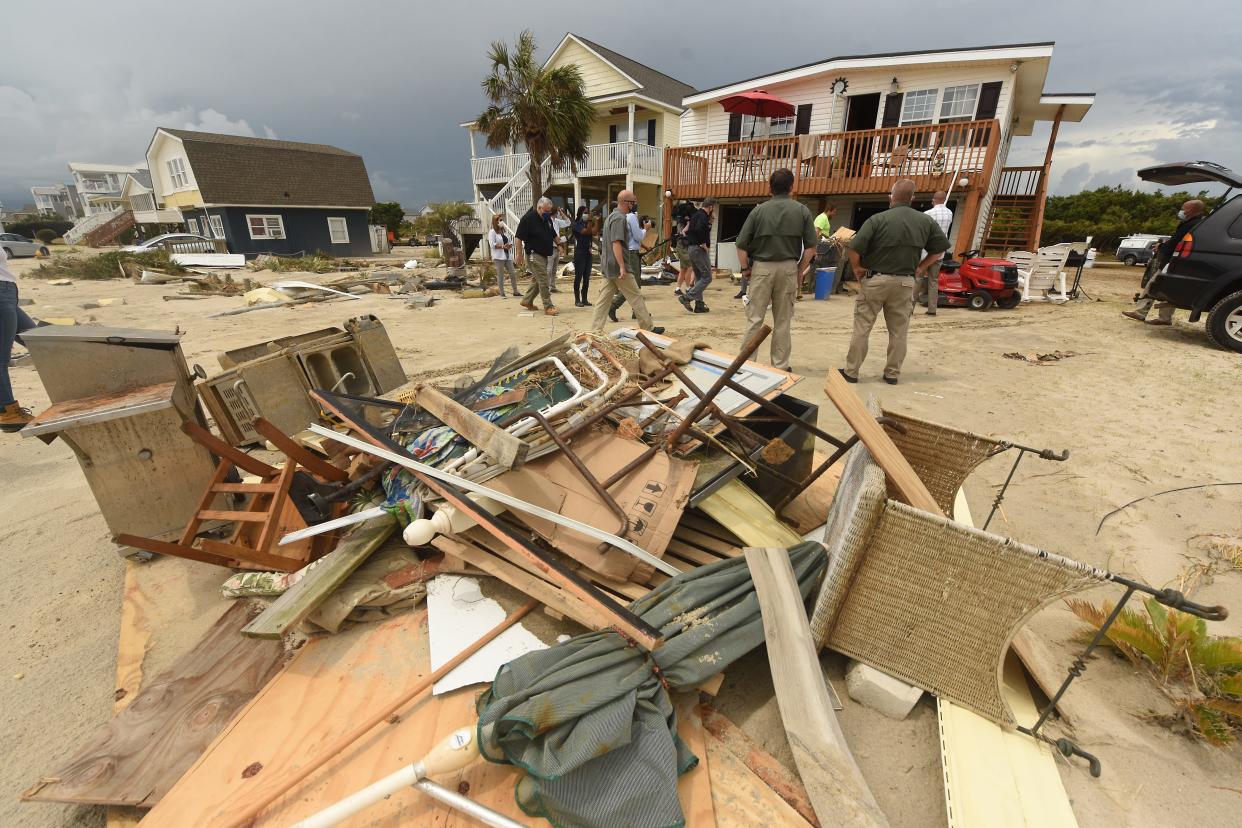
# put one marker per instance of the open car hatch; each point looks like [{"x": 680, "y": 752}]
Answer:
[{"x": 1190, "y": 172}]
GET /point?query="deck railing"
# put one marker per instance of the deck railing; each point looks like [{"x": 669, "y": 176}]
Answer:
[
  {"x": 497, "y": 167},
  {"x": 863, "y": 161},
  {"x": 1019, "y": 181},
  {"x": 602, "y": 159}
]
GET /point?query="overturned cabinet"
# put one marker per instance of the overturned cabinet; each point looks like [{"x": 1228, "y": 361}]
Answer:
[
  {"x": 119, "y": 399},
  {"x": 273, "y": 379}
]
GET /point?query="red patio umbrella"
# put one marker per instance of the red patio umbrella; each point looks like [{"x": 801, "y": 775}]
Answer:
[{"x": 758, "y": 104}]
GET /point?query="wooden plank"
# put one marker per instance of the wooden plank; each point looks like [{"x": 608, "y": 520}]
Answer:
[
  {"x": 704, "y": 541},
  {"x": 501, "y": 446},
  {"x": 245, "y": 554},
  {"x": 245, "y": 488},
  {"x": 773, "y": 774},
  {"x": 175, "y": 549},
  {"x": 746, "y": 515},
  {"x": 221, "y": 514},
  {"x": 223, "y": 450},
  {"x": 330, "y": 685},
  {"x": 328, "y": 573},
  {"x": 882, "y": 448},
  {"x": 138, "y": 756},
  {"x": 836, "y": 787},
  {"x": 810, "y": 508},
  {"x": 304, "y": 458},
  {"x": 740, "y": 798},
  {"x": 694, "y": 787},
  {"x": 131, "y": 650}
]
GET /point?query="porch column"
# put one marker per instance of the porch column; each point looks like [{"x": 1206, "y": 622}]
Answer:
[
  {"x": 470, "y": 132},
  {"x": 629, "y": 151},
  {"x": 577, "y": 194},
  {"x": 968, "y": 229},
  {"x": 1041, "y": 198},
  {"x": 509, "y": 160}
]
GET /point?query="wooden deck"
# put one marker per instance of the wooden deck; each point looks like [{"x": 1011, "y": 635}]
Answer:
[{"x": 859, "y": 162}]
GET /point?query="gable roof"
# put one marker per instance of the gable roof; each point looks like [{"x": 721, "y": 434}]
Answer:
[
  {"x": 650, "y": 82},
  {"x": 235, "y": 169},
  {"x": 966, "y": 53}
]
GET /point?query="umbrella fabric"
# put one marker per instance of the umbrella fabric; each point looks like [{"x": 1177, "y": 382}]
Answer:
[
  {"x": 590, "y": 720},
  {"x": 758, "y": 103}
]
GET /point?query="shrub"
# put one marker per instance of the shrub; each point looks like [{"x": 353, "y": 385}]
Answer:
[
  {"x": 30, "y": 229},
  {"x": 103, "y": 266},
  {"x": 45, "y": 235}
]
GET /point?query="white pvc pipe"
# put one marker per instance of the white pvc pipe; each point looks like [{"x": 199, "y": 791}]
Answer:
[
  {"x": 329, "y": 525},
  {"x": 510, "y": 501},
  {"x": 408, "y": 776}
]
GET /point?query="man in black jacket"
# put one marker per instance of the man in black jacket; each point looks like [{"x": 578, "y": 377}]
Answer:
[
  {"x": 698, "y": 241},
  {"x": 1190, "y": 214},
  {"x": 538, "y": 237}
]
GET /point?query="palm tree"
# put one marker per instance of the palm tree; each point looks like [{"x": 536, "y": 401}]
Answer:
[
  {"x": 439, "y": 218},
  {"x": 545, "y": 108}
]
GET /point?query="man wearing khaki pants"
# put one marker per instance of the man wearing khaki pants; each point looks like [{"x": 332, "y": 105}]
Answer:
[
  {"x": 779, "y": 238},
  {"x": 887, "y": 254}
]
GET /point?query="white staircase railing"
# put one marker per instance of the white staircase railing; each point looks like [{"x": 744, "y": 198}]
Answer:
[
  {"x": 515, "y": 197},
  {"x": 77, "y": 232}
]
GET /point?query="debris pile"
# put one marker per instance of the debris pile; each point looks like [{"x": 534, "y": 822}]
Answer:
[{"x": 650, "y": 494}]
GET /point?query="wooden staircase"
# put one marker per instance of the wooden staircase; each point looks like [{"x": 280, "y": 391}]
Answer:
[
  {"x": 1017, "y": 213},
  {"x": 108, "y": 231}
]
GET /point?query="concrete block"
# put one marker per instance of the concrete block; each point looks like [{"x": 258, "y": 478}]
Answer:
[{"x": 880, "y": 691}]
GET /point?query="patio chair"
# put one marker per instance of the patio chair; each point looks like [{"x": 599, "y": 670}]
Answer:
[
  {"x": 1044, "y": 271},
  {"x": 932, "y": 602}
]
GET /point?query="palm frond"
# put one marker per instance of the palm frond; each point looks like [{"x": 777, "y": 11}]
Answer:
[
  {"x": 1131, "y": 633},
  {"x": 1218, "y": 655}
]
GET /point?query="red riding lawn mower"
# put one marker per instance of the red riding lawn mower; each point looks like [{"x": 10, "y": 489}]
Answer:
[{"x": 978, "y": 283}]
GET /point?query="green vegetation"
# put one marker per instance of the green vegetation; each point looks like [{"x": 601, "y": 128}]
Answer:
[
  {"x": 440, "y": 218},
  {"x": 114, "y": 265},
  {"x": 1200, "y": 674},
  {"x": 1109, "y": 214},
  {"x": 545, "y": 108},
  {"x": 30, "y": 229},
  {"x": 45, "y": 235},
  {"x": 318, "y": 262},
  {"x": 387, "y": 213}
]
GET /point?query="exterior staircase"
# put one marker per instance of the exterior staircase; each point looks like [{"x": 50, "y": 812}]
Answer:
[
  {"x": 1016, "y": 216},
  {"x": 109, "y": 230},
  {"x": 513, "y": 199},
  {"x": 75, "y": 234}
]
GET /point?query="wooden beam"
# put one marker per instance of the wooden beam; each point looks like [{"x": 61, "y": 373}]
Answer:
[
  {"x": 745, "y": 514},
  {"x": 177, "y": 550},
  {"x": 838, "y": 791},
  {"x": 222, "y": 449},
  {"x": 308, "y": 460},
  {"x": 883, "y": 450},
  {"x": 245, "y": 517},
  {"x": 328, "y": 573},
  {"x": 508, "y": 451},
  {"x": 252, "y": 556}
]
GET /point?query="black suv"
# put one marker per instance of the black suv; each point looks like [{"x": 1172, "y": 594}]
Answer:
[{"x": 1205, "y": 271}]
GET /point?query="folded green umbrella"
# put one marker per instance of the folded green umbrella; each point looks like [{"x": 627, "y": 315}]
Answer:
[{"x": 590, "y": 720}]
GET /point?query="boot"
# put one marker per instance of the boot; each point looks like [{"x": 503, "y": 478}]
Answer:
[
  {"x": 14, "y": 418},
  {"x": 612, "y": 313},
  {"x": 699, "y": 307}
]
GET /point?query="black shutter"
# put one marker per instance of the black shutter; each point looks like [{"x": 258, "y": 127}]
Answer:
[
  {"x": 802, "y": 125},
  {"x": 735, "y": 126},
  {"x": 989, "y": 97},
  {"x": 892, "y": 110},
  {"x": 612, "y": 133},
  {"x": 651, "y": 131}
]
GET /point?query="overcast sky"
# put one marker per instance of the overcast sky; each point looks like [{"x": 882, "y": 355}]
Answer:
[{"x": 90, "y": 81}]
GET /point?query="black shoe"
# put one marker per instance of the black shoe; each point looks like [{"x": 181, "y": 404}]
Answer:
[
  {"x": 586, "y": 304},
  {"x": 633, "y": 315},
  {"x": 847, "y": 377},
  {"x": 891, "y": 380},
  {"x": 677, "y": 291},
  {"x": 657, "y": 330},
  {"x": 699, "y": 307},
  {"x": 739, "y": 294},
  {"x": 577, "y": 303},
  {"x": 612, "y": 314},
  {"x": 685, "y": 302}
]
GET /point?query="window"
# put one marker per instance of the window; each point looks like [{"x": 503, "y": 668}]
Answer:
[
  {"x": 959, "y": 103},
  {"x": 217, "y": 227},
  {"x": 193, "y": 225},
  {"x": 338, "y": 231},
  {"x": 918, "y": 107},
  {"x": 266, "y": 227},
  {"x": 780, "y": 127},
  {"x": 177, "y": 174}
]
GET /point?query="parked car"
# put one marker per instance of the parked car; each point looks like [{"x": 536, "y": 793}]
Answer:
[
  {"x": 1204, "y": 274},
  {"x": 16, "y": 245},
  {"x": 1135, "y": 250},
  {"x": 181, "y": 243}
]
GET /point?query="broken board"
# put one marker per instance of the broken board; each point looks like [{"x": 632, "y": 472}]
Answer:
[{"x": 138, "y": 756}]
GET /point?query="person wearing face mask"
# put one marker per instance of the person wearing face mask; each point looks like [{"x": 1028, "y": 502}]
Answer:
[
  {"x": 615, "y": 266},
  {"x": 1189, "y": 217},
  {"x": 698, "y": 242}
]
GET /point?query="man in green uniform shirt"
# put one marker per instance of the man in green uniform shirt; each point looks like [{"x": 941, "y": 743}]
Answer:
[
  {"x": 779, "y": 238},
  {"x": 887, "y": 254}
]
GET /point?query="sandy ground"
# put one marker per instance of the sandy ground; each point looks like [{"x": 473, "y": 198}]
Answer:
[{"x": 1141, "y": 410}]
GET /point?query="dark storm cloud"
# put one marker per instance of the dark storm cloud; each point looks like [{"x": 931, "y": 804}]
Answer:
[{"x": 393, "y": 81}]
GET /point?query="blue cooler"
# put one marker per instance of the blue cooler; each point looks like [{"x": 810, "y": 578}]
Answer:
[{"x": 824, "y": 279}]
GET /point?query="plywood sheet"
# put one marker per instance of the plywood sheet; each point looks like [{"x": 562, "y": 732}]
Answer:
[{"x": 138, "y": 756}]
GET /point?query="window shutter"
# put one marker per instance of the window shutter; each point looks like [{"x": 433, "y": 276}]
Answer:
[
  {"x": 651, "y": 131},
  {"x": 735, "y": 126},
  {"x": 892, "y": 110},
  {"x": 802, "y": 125},
  {"x": 612, "y": 134},
  {"x": 989, "y": 97}
]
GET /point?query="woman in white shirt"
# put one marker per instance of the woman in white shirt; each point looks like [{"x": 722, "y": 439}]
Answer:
[
  {"x": 13, "y": 321},
  {"x": 502, "y": 255}
]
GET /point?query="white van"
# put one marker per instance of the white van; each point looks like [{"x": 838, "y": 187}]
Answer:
[{"x": 1135, "y": 250}]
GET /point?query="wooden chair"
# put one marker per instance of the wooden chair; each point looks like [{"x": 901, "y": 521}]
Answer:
[{"x": 268, "y": 515}]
